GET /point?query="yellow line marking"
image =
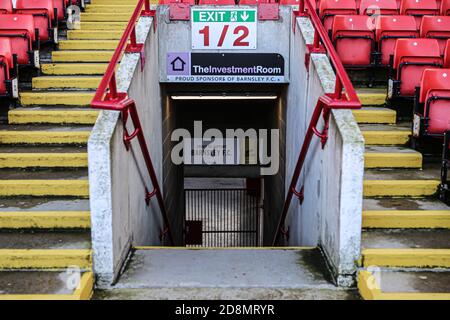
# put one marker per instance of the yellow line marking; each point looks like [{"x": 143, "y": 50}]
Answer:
[
  {"x": 52, "y": 116},
  {"x": 414, "y": 258},
  {"x": 82, "y": 56},
  {"x": 400, "y": 188},
  {"x": 53, "y": 82},
  {"x": 44, "y": 259},
  {"x": 39, "y": 188},
  {"x": 74, "y": 68},
  {"x": 404, "y": 219},
  {"x": 44, "y": 137},
  {"x": 393, "y": 160},
  {"x": 56, "y": 98},
  {"x": 43, "y": 160},
  {"x": 83, "y": 292},
  {"x": 45, "y": 220},
  {"x": 372, "y": 99},
  {"x": 369, "y": 289},
  {"x": 375, "y": 116},
  {"x": 394, "y": 137}
]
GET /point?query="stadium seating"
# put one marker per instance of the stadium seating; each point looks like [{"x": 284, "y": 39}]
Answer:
[
  {"x": 411, "y": 58},
  {"x": 354, "y": 40},
  {"x": 389, "y": 29},
  {"x": 379, "y": 7},
  {"x": 44, "y": 16},
  {"x": 419, "y": 8},
  {"x": 167, "y": 2},
  {"x": 253, "y": 2},
  {"x": 329, "y": 8},
  {"x": 217, "y": 2},
  {"x": 6, "y": 6},
  {"x": 437, "y": 27},
  {"x": 445, "y": 8},
  {"x": 61, "y": 6},
  {"x": 6, "y": 65},
  {"x": 20, "y": 29}
]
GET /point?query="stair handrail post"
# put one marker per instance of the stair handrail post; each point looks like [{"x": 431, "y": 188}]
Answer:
[{"x": 107, "y": 97}]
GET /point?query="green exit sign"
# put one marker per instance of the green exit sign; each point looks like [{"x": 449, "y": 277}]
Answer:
[{"x": 224, "y": 16}]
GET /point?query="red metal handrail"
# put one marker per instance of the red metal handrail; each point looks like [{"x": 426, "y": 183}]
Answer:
[
  {"x": 107, "y": 98},
  {"x": 344, "y": 97}
]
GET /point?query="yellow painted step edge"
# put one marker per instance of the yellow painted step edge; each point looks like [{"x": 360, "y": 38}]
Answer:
[
  {"x": 38, "y": 188},
  {"x": 53, "y": 116},
  {"x": 408, "y": 258},
  {"x": 83, "y": 292},
  {"x": 372, "y": 99},
  {"x": 375, "y": 116},
  {"x": 44, "y": 259},
  {"x": 43, "y": 160},
  {"x": 393, "y": 160},
  {"x": 394, "y": 137},
  {"x": 45, "y": 220},
  {"x": 44, "y": 137},
  {"x": 400, "y": 188},
  {"x": 406, "y": 219},
  {"x": 370, "y": 290}
]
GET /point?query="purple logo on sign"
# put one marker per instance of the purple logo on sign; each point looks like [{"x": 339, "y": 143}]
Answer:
[{"x": 178, "y": 64}]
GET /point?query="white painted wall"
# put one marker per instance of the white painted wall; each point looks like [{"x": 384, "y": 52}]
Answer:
[
  {"x": 330, "y": 215},
  {"x": 119, "y": 214}
]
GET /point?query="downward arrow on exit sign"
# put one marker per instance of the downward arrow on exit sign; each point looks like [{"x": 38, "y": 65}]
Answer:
[{"x": 216, "y": 28}]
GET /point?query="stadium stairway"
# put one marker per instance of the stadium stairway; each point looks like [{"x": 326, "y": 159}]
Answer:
[
  {"x": 406, "y": 236},
  {"x": 44, "y": 189}
]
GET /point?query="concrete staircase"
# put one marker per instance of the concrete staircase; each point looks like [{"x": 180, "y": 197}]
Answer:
[
  {"x": 406, "y": 236},
  {"x": 44, "y": 208}
]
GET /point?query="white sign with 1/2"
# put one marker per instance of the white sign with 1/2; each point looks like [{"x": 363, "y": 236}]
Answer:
[{"x": 231, "y": 29}]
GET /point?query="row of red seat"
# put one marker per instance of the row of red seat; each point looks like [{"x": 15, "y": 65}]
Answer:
[
  {"x": 22, "y": 29},
  {"x": 360, "y": 44}
]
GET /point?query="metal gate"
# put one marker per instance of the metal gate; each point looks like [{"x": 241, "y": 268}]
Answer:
[{"x": 221, "y": 218}]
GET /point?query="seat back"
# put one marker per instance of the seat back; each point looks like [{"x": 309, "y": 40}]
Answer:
[
  {"x": 6, "y": 6},
  {"x": 411, "y": 58},
  {"x": 353, "y": 39},
  {"x": 329, "y": 8},
  {"x": 253, "y": 2},
  {"x": 217, "y": 2},
  {"x": 419, "y": 8},
  {"x": 19, "y": 28},
  {"x": 437, "y": 27},
  {"x": 435, "y": 83},
  {"x": 167, "y": 2},
  {"x": 447, "y": 54},
  {"x": 391, "y": 28},
  {"x": 5, "y": 63},
  {"x": 445, "y": 7},
  {"x": 61, "y": 6},
  {"x": 43, "y": 12},
  {"x": 384, "y": 7}
]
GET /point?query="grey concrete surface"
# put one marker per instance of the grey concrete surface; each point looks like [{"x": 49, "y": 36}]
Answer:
[
  {"x": 415, "y": 281},
  {"x": 44, "y": 204},
  {"x": 226, "y": 274},
  {"x": 430, "y": 171},
  {"x": 45, "y": 240},
  {"x": 407, "y": 238},
  {"x": 51, "y": 174},
  {"x": 404, "y": 204},
  {"x": 34, "y": 282}
]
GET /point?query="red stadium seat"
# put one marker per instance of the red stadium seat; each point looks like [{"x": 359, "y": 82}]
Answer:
[
  {"x": 419, "y": 8},
  {"x": 8, "y": 70},
  {"x": 6, "y": 6},
  {"x": 436, "y": 27},
  {"x": 447, "y": 55},
  {"x": 445, "y": 7},
  {"x": 411, "y": 57},
  {"x": 329, "y": 8},
  {"x": 44, "y": 16},
  {"x": 379, "y": 7},
  {"x": 435, "y": 97},
  {"x": 253, "y": 2},
  {"x": 19, "y": 28},
  {"x": 217, "y": 2},
  {"x": 353, "y": 39},
  {"x": 167, "y": 2},
  {"x": 389, "y": 29},
  {"x": 61, "y": 6}
]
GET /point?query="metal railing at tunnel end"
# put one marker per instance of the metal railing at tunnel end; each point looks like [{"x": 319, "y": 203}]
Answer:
[
  {"x": 108, "y": 98},
  {"x": 343, "y": 97}
]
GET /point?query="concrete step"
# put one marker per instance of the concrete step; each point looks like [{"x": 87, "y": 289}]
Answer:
[
  {"x": 372, "y": 97},
  {"x": 385, "y": 284},
  {"x": 374, "y": 115},
  {"x": 82, "y": 116},
  {"x": 45, "y": 220},
  {"x": 378, "y": 134},
  {"x": 13, "y": 259},
  {"x": 43, "y": 160},
  {"x": 124, "y": 17},
  {"x": 226, "y": 274},
  {"x": 39, "y": 98},
  {"x": 88, "y": 45},
  {"x": 86, "y": 25},
  {"x": 82, "y": 56},
  {"x": 31, "y": 204},
  {"x": 45, "y": 240},
  {"x": 43, "y": 135},
  {"x": 66, "y": 82},
  {"x": 392, "y": 157},
  {"x": 46, "y": 285},
  {"x": 115, "y": 34},
  {"x": 99, "y": 8},
  {"x": 74, "y": 68}
]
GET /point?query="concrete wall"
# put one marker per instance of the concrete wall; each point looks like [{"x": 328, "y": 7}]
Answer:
[
  {"x": 119, "y": 214},
  {"x": 333, "y": 178}
]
